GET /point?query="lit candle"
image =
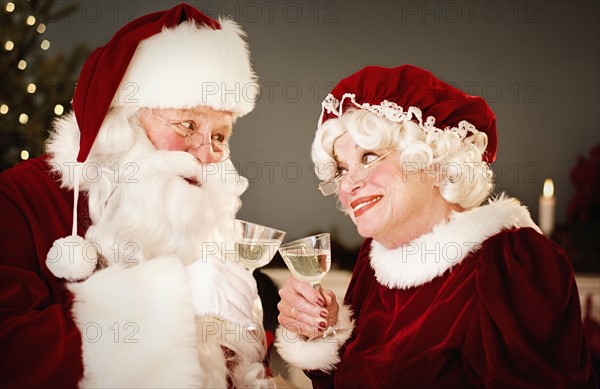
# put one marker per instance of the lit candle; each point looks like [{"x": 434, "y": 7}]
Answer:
[{"x": 546, "y": 210}]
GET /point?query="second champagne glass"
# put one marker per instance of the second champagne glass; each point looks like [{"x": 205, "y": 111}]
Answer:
[{"x": 309, "y": 259}]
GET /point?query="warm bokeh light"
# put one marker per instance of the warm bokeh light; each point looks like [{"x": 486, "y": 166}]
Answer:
[
  {"x": 548, "y": 188},
  {"x": 31, "y": 88},
  {"x": 58, "y": 109},
  {"x": 30, "y": 20},
  {"x": 9, "y": 45},
  {"x": 41, "y": 28},
  {"x": 22, "y": 64},
  {"x": 24, "y": 155},
  {"x": 10, "y": 7},
  {"x": 3, "y": 109},
  {"x": 45, "y": 44}
]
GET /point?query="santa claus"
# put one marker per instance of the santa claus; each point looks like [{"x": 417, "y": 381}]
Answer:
[{"x": 140, "y": 176}]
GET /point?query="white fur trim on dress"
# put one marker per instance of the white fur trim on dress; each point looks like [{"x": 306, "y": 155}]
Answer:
[
  {"x": 319, "y": 353},
  {"x": 432, "y": 254},
  {"x": 138, "y": 327},
  {"x": 186, "y": 66}
]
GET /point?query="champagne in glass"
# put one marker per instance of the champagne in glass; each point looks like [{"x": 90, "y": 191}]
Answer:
[
  {"x": 255, "y": 253},
  {"x": 307, "y": 264},
  {"x": 256, "y": 245},
  {"x": 309, "y": 259}
]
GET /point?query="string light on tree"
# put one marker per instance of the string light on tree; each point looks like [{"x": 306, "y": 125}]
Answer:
[
  {"x": 59, "y": 109},
  {"x": 24, "y": 155},
  {"x": 30, "y": 62}
]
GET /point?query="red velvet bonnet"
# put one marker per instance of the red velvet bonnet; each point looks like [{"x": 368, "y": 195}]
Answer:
[{"x": 408, "y": 93}]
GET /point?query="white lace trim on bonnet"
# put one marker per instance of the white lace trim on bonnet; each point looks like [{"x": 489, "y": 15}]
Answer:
[{"x": 397, "y": 114}]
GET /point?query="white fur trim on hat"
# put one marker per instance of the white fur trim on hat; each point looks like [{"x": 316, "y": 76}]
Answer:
[
  {"x": 429, "y": 256},
  {"x": 318, "y": 353},
  {"x": 186, "y": 66}
]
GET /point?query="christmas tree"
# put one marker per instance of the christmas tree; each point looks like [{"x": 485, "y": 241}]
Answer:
[{"x": 35, "y": 87}]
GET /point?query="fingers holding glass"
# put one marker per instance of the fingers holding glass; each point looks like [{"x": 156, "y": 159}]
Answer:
[
  {"x": 300, "y": 315},
  {"x": 300, "y": 322}
]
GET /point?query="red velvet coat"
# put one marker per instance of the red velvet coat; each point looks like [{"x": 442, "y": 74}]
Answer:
[
  {"x": 43, "y": 342},
  {"x": 39, "y": 342},
  {"x": 506, "y": 315}
]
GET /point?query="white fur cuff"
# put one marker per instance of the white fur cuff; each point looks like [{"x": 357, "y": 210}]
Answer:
[
  {"x": 319, "y": 353},
  {"x": 137, "y": 326}
]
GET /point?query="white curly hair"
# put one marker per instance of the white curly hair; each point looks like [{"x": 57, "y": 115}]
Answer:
[{"x": 466, "y": 179}]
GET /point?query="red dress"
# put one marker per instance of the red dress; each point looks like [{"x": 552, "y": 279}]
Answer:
[{"x": 497, "y": 308}]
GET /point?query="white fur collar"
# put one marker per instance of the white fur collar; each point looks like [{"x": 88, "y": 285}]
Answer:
[{"x": 430, "y": 255}]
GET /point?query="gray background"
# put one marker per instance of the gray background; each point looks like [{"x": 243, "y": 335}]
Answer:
[{"x": 535, "y": 62}]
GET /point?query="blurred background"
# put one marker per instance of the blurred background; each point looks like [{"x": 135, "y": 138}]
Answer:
[{"x": 535, "y": 62}]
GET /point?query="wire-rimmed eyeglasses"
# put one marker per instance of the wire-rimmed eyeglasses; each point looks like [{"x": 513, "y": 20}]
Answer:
[
  {"x": 194, "y": 139},
  {"x": 360, "y": 172}
]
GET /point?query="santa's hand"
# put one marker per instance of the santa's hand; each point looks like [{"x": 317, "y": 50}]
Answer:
[{"x": 223, "y": 289}]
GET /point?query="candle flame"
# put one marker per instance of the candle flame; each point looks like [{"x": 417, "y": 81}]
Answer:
[{"x": 548, "y": 188}]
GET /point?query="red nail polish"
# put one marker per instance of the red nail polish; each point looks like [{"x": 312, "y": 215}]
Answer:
[
  {"x": 323, "y": 324},
  {"x": 323, "y": 314},
  {"x": 320, "y": 301}
]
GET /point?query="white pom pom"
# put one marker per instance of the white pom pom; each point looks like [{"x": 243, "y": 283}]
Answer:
[{"x": 72, "y": 258}]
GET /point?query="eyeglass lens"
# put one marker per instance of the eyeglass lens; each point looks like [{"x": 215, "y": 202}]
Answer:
[{"x": 196, "y": 139}]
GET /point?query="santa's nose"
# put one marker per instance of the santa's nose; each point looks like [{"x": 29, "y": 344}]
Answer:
[{"x": 205, "y": 153}]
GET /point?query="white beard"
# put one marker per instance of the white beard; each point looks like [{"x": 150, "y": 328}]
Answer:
[
  {"x": 153, "y": 210},
  {"x": 142, "y": 206}
]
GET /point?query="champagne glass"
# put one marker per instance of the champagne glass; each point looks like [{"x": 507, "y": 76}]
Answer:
[
  {"x": 309, "y": 259},
  {"x": 256, "y": 245}
]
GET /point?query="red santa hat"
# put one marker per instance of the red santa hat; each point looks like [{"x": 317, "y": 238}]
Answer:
[
  {"x": 410, "y": 93},
  {"x": 178, "y": 58}
]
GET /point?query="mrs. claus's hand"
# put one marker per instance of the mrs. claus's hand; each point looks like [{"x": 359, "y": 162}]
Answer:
[{"x": 304, "y": 310}]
